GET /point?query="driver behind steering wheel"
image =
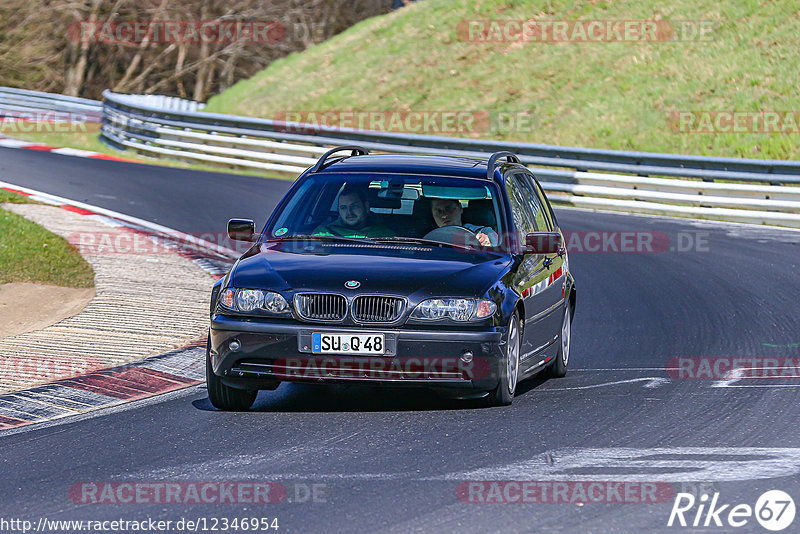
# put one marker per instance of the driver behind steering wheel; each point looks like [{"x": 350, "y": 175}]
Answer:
[{"x": 447, "y": 212}]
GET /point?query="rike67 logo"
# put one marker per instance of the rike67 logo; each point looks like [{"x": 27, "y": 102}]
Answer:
[{"x": 774, "y": 510}]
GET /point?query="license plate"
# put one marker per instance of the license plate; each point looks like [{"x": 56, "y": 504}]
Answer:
[{"x": 347, "y": 343}]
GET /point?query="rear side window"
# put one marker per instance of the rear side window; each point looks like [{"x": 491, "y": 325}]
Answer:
[
  {"x": 521, "y": 210},
  {"x": 543, "y": 201},
  {"x": 533, "y": 197},
  {"x": 533, "y": 211}
]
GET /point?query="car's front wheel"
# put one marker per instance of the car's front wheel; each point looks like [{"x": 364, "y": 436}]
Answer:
[
  {"x": 503, "y": 394},
  {"x": 225, "y": 397}
]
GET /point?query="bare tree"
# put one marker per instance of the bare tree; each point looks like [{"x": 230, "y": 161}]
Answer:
[{"x": 49, "y": 44}]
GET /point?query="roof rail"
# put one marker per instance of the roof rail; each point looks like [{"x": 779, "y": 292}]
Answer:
[
  {"x": 354, "y": 151},
  {"x": 510, "y": 157}
]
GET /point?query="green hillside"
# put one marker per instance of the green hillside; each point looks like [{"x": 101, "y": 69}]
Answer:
[{"x": 621, "y": 95}]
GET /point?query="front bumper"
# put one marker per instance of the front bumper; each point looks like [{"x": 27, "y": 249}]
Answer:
[{"x": 271, "y": 351}]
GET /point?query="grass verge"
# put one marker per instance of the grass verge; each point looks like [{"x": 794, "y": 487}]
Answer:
[
  {"x": 13, "y": 198},
  {"x": 29, "y": 253}
]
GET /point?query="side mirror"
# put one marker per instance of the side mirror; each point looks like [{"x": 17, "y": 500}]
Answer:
[
  {"x": 241, "y": 229},
  {"x": 543, "y": 243}
]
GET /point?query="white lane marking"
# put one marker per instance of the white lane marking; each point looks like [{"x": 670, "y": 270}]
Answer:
[
  {"x": 656, "y": 382},
  {"x": 128, "y": 218},
  {"x": 662, "y": 464},
  {"x": 665, "y": 464},
  {"x": 732, "y": 377},
  {"x": 44, "y": 200},
  {"x": 14, "y": 143},
  {"x": 763, "y": 386},
  {"x": 739, "y": 374},
  {"x": 652, "y": 382},
  {"x": 108, "y": 221},
  {"x": 630, "y": 369},
  {"x": 66, "y": 151}
]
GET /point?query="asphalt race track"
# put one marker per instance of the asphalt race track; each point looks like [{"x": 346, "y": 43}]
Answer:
[{"x": 353, "y": 459}]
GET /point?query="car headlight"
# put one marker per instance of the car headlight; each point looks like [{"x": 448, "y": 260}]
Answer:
[
  {"x": 248, "y": 300},
  {"x": 275, "y": 303},
  {"x": 254, "y": 301},
  {"x": 461, "y": 310}
]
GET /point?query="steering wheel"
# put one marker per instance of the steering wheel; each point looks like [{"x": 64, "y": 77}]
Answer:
[{"x": 456, "y": 235}]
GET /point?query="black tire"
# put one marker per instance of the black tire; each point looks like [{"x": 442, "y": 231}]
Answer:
[
  {"x": 503, "y": 394},
  {"x": 225, "y": 397},
  {"x": 558, "y": 369}
]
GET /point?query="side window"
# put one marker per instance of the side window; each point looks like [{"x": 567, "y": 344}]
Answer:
[
  {"x": 553, "y": 220},
  {"x": 547, "y": 209},
  {"x": 521, "y": 212},
  {"x": 534, "y": 199}
]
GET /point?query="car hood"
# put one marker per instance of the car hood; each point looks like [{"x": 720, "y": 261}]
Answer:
[{"x": 397, "y": 270}]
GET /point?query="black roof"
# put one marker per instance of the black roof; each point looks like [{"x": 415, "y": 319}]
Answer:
[{"x": 410, "y": 164}]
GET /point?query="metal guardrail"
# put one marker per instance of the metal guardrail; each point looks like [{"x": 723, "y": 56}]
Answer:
[
  {"x": 164, "y": 103},
  {"x": 639, "y": 163},
  {"x": 36, "y": 105},
  {"x": 732, "y": 189},
  {"x": 668, "y": 184}
]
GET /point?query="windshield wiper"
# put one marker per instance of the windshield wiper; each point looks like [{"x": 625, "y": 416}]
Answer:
[
  {"x": 419, "y": 241},
  {"x": 342, "y": 239},
  {"x": 335, "y": 238}
]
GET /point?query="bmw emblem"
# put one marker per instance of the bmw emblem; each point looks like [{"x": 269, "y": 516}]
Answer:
[{"x": 352, "y": 284}]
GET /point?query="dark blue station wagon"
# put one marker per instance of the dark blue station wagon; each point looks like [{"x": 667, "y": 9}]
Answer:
[{"x": 396, "y": 270}]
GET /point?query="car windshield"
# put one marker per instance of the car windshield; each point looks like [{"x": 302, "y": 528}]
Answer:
[{"x": 450, "y": 211}]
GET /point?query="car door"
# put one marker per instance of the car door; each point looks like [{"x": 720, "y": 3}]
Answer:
[
  {"x": 533, "y": 276},
  {"x": 553, "y": 294}
]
